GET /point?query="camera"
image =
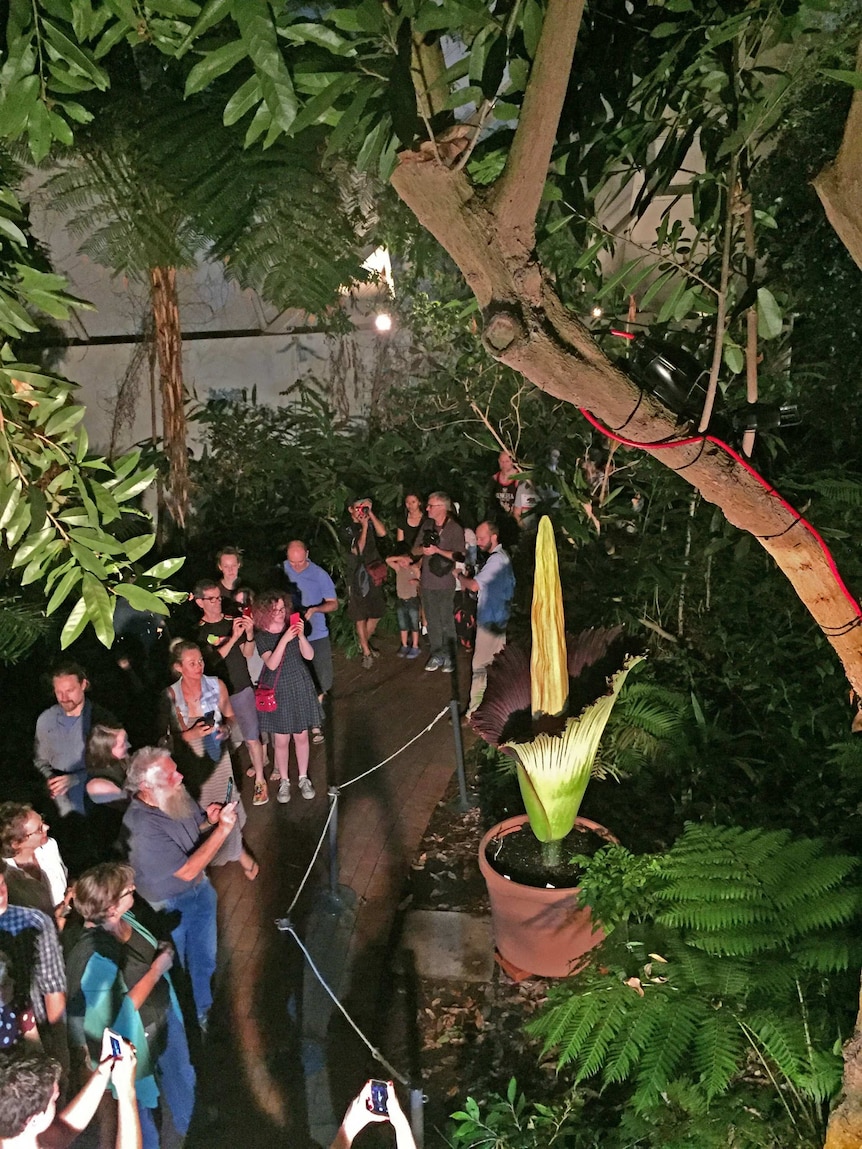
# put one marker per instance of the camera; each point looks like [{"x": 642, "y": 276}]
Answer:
[{"x": 430, "y": 537}]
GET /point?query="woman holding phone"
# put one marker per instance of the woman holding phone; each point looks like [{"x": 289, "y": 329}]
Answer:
[
  {"x": 281, "y": 643},
  {"x": 118, "y": 976},
  {"x": 198, "y": 716}
]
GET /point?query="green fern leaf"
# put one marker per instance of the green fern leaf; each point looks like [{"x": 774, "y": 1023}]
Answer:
[
  {"x": 718, "y": 1047},
  {"x": 667, "y": 1053}
]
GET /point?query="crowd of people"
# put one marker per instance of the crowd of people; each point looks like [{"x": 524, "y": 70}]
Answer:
[{"x": 110, "y": 924}]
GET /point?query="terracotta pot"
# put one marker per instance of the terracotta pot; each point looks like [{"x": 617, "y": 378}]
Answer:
[{"x": 538, "y": 930}]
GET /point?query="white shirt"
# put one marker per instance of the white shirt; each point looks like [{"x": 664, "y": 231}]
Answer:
[{"x": 51, "y": 864}]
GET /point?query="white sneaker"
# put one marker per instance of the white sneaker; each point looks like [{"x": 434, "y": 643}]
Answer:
[
  {"x": 305, "y": 787},
  {"x": 283, "y": 791}
]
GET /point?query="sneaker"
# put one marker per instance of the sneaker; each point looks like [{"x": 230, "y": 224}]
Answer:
[
  {"x": 375, "y": 653},
  {"x": 317, "y": 737},
  {"x": 447, "y": 667},
  {"x": 434, "y": 663},
  {"x": 261, "y": 797},
  {"x": 367, "y": 661},
  {"x": 305, "y": 787},
  {"x": 413, "y": 652},
  {"x": 404, "y": 651},
  {"x": 283, "y": 791}
]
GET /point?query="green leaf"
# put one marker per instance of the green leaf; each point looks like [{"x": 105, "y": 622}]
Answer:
[
  {"x": 320, "y": 104},
  {"x": 7, "y": 510},
  {"x": 85, "y": 558},
  {"x": 69, "y": 580},
  {"x": 212, "y": 13},
  {"x": 75, "y": 624},
  {"x": 64, "y": 419},
  {"x": 35, "y": 569},
  {"x": 18, "y": 524},
  {"x": 75, "y": 57},
  {"x": 99, "y": 609},
  {"x": 9, "y": 229},
  {"x": 213, "y": 65},
  {"x": 257, "y": 29},
  {"x": 165, "y": 568},
  {"x": 242, "y": 101},
  {"x": 531, "y": 26},
  {"x": 139, "y": 598},
  {"x": 769, "y": 320},
  {"x": 346, "y": 125},
  {"x": 733, "y": 356},
  {"x": 137, "y": 547},
  {"x": 854, "y": 79},
  {"x": 320, "y": 35},
  {"x": 31, "y": 544},
  {"x": 18, "y": 105}
]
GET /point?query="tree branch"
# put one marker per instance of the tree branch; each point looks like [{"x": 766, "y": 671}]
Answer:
[
  {"x": 839, "y": 185},
  {"x": 519, "y": 190}
]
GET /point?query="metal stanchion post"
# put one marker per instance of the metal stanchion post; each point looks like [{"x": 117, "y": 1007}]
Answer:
[
  {"x": 417, "y": 1117},
  {"x": 455, "y": 717},
  {"x": 333, "y": 846}
]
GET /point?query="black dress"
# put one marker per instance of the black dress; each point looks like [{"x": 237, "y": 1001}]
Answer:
[{"x": 295, "y": 693}]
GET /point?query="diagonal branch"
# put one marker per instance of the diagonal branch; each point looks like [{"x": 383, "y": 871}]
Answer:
[{"x": 519, "y": 189}]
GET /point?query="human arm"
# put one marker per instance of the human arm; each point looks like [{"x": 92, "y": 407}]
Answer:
[
  {"x": 204, "y": 853},
  {"x": 128, "y": 1122},
  {"x": 227, "y": 714},
  {"x": 451, "y": 541},
  {"x": 272, "y": 658},
  {"x": 80, "y": 1111},
  {"x": 467, "y": 583},
  {"x": 159, "y": 966},
  {"x": 326, "y": 607}
]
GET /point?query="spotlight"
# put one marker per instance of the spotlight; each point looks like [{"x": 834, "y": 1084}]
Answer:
[
  {"x": 383, "y": 321},
  {"x": 597, "y": 312}
]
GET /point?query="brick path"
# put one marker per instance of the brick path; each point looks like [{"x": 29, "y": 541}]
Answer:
[{"x": 280, "y": 1066}]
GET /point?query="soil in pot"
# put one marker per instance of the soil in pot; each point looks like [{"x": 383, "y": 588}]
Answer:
[{"x": 518, "y": 856}]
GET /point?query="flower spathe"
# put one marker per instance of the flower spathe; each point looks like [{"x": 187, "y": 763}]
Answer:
[{"x": 572, "y": 687}]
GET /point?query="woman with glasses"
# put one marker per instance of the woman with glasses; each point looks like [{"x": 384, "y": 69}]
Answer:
[
  {"x": 286, "y": 653},
  {"x": 36, "y": 874},
  {"x": 118, "y": 978}
]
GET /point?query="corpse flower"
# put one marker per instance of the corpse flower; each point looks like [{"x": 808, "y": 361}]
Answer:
[{"x": 548, "y": 710}]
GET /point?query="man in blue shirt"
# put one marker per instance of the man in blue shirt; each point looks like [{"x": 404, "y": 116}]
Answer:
[
  {"x": 495, "y": 585},
  {"x": 318, "y": 599}
]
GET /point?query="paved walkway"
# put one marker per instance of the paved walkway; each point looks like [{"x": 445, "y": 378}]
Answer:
[{"x": 281, "y": 1064}]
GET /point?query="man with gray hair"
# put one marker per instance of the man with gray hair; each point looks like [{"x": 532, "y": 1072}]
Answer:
[
  {"x": 440, "y": 539},
  {"x": 171, "y": 843}
]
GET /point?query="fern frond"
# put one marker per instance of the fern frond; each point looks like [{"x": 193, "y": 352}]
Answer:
[
  {"x": 21, "y": 627},
  {"x": 629, "y": 1045},
  {"x": 718, "y": 1051},
  {"x": 667, "y": 1053}
]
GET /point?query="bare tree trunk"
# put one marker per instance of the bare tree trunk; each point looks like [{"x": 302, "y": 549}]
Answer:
[
  {"x": 839, "y": 185},
  {"x": 169, "y": 347},
  {"x": 845, "y": 1122}
]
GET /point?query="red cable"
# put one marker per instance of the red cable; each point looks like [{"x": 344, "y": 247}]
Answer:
[{"x": 665, "y": 444}]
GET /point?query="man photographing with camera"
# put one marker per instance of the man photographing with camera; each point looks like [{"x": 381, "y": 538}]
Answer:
[{"x": 440, "y": 539}]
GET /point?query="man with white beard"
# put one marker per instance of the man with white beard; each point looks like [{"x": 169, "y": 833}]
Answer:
[{"x": 171, "y": 842}]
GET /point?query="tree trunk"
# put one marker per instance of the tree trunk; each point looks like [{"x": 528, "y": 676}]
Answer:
[
  {"x": 528, "y": 328},
  {"x": 169, "y": 347},
  {"x": 839, "y": 185},
  {"x": 845, "y": 1122}
]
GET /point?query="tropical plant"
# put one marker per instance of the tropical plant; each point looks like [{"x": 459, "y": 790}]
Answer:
[
  {"x": 550, "y": 716},
  {"x": 512, "y": 1122},
  {"x": 720, "y": 968}
]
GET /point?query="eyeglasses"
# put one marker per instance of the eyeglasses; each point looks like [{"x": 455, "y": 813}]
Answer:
[
  {"x": 128, "y": 890},
  {"x": 279, "y": 610},
  {"x": 42, "y": 826},
  {"x": 210, "y": 598}
]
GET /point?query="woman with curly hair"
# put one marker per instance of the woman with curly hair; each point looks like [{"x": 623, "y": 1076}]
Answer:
[
  {"x": 36, "y": 874},
  {"x": 285, "y": 651}
]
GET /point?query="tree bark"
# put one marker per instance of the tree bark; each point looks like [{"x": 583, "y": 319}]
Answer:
[
  {"x": 528, "y": 328},
  {"x": 839, "y": 185},
  {"x": 845, "y": 1122},
  {"x": 169, "y": 348}
]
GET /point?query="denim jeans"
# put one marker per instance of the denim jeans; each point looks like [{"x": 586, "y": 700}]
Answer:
[
  {"x": 194, "y": 939},
  {"x": 176, "y": 1080},
  {"x": 439, "y": 606}
]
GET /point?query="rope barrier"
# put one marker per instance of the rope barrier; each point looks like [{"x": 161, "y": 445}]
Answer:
[
  {"x": 385, "y": 761},
  {"x": 284, "y": 925}
]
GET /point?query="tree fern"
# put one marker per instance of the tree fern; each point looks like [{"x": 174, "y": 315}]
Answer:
[
  {"x": 729, "y": 969},
  {"x": 21, "y": 627}
]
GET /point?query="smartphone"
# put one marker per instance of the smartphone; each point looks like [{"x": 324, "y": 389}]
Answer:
[
  {"x": 116, "y": 1048},
  {"x": 209, "y": 718},
  {"x": 295, "y": 618},
  {"x": 379, "y": 1098},
  {"x": 229, "y": 794},
  {"x": 246, "y": 612}
]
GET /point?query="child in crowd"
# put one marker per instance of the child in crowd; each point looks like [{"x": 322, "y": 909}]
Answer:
[
  {"x": 406, "y": 567},
  {"x": 16, "y": 1021}
]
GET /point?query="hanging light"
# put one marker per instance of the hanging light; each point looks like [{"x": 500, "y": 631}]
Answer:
[{"x": 383, "y": 321}]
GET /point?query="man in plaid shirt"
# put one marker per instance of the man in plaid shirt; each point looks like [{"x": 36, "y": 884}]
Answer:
[{"x": 29, "y": 939}]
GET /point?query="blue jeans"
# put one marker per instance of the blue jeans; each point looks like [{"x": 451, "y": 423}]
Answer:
[
  {"x": 176, "y": 1080},
  {"x": 408, "y": 614},
  {"x": 195, "y": 940}
]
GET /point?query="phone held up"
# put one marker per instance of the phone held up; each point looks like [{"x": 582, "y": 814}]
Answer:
[
  {"x": 379, "y": 1098},
  {"x": 116, "y": 1047},
  {"x": 295, "y": 618}
]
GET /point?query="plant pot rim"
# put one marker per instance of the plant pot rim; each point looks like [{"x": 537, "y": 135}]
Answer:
[{"x": 513, "y": 825}]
